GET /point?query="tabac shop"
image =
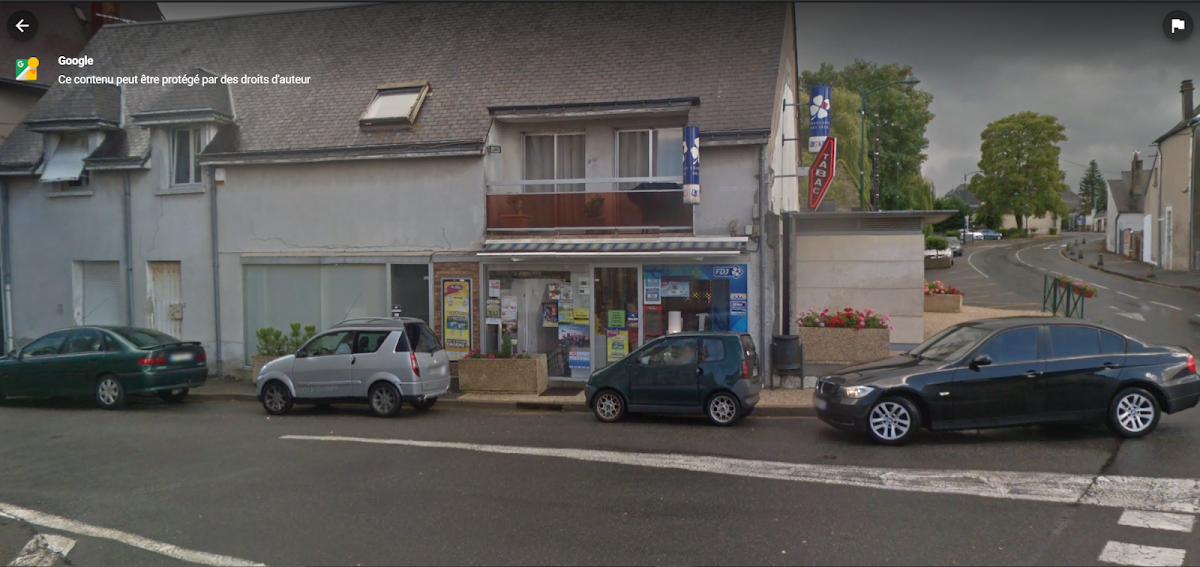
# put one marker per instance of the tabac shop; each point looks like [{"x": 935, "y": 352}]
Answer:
[{"x": 586, "y": 316}]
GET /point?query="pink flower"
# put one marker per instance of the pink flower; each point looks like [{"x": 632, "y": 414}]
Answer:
[
  {"x": 822, "y": 324},
  {"x": 491, "y": 356},
  {"x": 891, "y": 328},
  {"x": 887, "y": 318}
]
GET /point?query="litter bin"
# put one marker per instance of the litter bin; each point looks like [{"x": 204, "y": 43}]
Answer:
[{"x": 785, "y": 352}]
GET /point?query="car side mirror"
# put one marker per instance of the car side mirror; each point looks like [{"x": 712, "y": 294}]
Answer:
[
  {"x": 301, "y": 354},
  {"x": 981, "y": 360}
]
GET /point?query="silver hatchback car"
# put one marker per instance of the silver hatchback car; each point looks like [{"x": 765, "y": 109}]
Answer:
[{"x": 375, "y": 360}]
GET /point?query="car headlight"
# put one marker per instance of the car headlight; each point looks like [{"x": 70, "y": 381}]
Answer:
[{"x": 856, "y": 391}]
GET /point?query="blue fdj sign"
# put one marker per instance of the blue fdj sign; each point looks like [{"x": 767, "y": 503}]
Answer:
[
  {"x": 820, "y": 115},
  {"x": 730, "y": 272},
  {"x": 737, "y": 305}
]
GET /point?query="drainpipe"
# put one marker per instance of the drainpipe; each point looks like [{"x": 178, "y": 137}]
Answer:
[
  {"x": 6, "y": 266},
  {"x": 216, "y": 267},
  {"x": 128, "y": 210},
  {"x": 765, "y": 329},
  {"x": 1192, "y": 196},
  {"x": 1160, "y": 224}
]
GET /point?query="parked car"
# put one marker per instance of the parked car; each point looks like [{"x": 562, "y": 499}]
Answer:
[
  {"x": 1012, "y": 371},
  {"x": 107, "y": 363},
  {"x": 988, "y": 234},
  {"x": 955, "y": 246},
  {"x": 383, "y": 362},
  {"x": 714, "y": 373}
]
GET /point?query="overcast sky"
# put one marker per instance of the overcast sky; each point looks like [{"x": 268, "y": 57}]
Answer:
[{"x": 1105, "y": 70}]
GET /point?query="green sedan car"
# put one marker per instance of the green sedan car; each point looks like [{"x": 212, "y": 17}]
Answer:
[{"x": 105, "y": 363}]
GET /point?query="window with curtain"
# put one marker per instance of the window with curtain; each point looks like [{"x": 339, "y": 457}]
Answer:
[
  {"x": 554, "y": 156},
  {"x": 649, "y": 153}
]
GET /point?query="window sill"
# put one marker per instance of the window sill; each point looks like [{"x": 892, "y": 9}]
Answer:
[
  {"x": 73, "y": 193},
  {"x": 182, "y": 190}
]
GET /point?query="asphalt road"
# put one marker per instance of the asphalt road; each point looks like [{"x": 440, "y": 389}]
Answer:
[{"x": 218, "y": 478}]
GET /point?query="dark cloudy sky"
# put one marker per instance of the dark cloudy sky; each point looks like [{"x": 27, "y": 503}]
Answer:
[{"x": 1105, "y": 70}]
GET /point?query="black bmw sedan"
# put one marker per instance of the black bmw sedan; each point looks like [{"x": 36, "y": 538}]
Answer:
[{"x": 1012, "y": 371}]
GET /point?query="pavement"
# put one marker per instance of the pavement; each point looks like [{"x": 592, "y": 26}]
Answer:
[{"x": 1092, "y": 245}]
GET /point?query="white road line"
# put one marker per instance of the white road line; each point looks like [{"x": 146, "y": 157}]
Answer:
[
  {"x": 1141, "y": 555},
  {"x": 1138, "y": 493},
  {"x": 1098, "y": 286},
  {"x": 44, "y": 550},
  {"x": 79, "y": 528},
  {"x": 1158, "y": 520},
  {"x": 972, "y": 264},
  {"x": 1127, "y": 295},
  {"x": 1165, "y": 305}
]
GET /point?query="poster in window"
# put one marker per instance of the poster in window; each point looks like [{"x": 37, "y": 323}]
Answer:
[
  {"x": 579, "y": 358},
  {"x": 618, "y": 344},
  {"x": 653, "y": 283},
  {"x": 616, "y": 318},
  {"x": 494, "y": 288},
  {"x": 581, "y": 315},
  {"x": 508, "y": 309},
  {"x": 550, "y": 314},
  {"x": 456, "y": 317},
  {"x": 492, "y": 311},
  {"x": 566, "y": 311},
  {"x": 584, "y": 285},
  {"x": 676, "y": 288},
  {"x": 573, "y": 336},
  {"x": 552, "y": 291}
]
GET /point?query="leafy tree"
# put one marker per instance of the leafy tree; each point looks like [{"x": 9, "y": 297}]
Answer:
[
  {"x": 897, "y": 115},
  {"x": 844, "y": 127},
  {"x": 959, "y": 221},
  {"x": 1020, "y": 175},
  {"x": 1092, "y": 189},
  {"x": 987, "y": 217}
]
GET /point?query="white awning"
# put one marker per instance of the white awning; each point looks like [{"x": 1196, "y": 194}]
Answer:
[{"x": 67, "y": 162}]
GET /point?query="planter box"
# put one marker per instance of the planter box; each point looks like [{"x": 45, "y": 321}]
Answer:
[
  {"x": 943, "y": 303},
  {"x": 258, "y": 361},
  {"x": 939, "y": 263},
  {"x": 823, "y": 345},
  {"x": 503, "y": 375}
]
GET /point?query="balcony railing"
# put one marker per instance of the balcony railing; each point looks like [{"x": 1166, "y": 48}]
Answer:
[{"x": 627, "y": 204}]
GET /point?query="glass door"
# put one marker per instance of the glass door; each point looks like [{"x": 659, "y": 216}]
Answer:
[{"x": 615, "y": 321}]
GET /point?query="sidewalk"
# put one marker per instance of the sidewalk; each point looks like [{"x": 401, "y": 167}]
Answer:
[
  {"x": 1118, "y": 265},
  {"x": 771, "y": 402}
]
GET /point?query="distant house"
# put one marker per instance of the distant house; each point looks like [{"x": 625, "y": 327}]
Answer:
[
  {"x": 1174, "y": 244},
  {"x": 1128, "y": 227},
  {"x": 962, "y": 193}
]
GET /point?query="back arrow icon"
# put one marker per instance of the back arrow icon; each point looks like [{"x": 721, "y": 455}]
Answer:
[{"x": 21, "y": 25}]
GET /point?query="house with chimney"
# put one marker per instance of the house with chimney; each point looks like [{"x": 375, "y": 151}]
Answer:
[
  {"x": 1170, "y": 198},
  {"x": 1128, "y": 229}
]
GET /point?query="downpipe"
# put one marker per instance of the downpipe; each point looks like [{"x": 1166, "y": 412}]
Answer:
[
  {"x": 6, "y": 267},
  {"x": 127, "y": 204},
  {"x": 764, "y": 327},
  {"x": 216, "y": 269}
]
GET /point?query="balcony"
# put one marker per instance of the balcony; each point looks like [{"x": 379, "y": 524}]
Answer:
[{"x": 616, "y": 205}]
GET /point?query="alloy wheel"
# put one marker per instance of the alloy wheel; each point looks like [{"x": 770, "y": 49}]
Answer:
[
  {"x": 723, "y": 409},
  {"x": 1135, "y": 412},
  {"x": 275, "y": 398},
  {"x": 109, "y": 391},
  {"x": 608, "y": 406},
  {"x": 890, "y": 421},
  {"x": 383, "y": 400}
]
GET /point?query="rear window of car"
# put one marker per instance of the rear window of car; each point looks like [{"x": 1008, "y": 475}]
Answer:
[
  {"x": 369, "y": 341},
  {"x": 145, "y": 338},
  {"x": 712, "y": 350},
  {"x": 748, "y": 346},
  {"x": 1070, "y": 341},
  {"x": 1111, "y": 343}
]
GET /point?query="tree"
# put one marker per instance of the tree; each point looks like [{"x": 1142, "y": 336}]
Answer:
[
  {"x": 1020, "y": 175},
  {"x": 1092, "y": 189},
  {"x": 897, "y": 115},
  {"x": 987, "y": 217},
  {"x": 844, "y": 127},
  {"x": 956, "y": 222}
]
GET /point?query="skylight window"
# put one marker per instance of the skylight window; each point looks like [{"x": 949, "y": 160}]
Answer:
[{"x": 395, "y": 104}]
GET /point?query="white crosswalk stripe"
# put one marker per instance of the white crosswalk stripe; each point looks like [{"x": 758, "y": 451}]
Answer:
[
  {"x": 1158, "y": 520},
  {"x": 1141, "y": 555},
  {"x": 44, "y": 550}
]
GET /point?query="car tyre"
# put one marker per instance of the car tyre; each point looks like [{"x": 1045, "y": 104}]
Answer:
[
  {"x": 723, "y": 409},
  {"x": 422, "y": 405},
  {"x": 893, "y": 420},
  {"x": 110, "y": 394},
  {"x": 609, "y": 406},
  {"x": 748, "y": 411},
  {"x": 384, "y": 399},
  {"x": 276, "y": 398},
  {"x": 173, "y": 396},
  {"x": 1134, "y": 412}
]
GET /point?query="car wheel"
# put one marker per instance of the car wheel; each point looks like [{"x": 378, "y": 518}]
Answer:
[
  {"x": 276, "y": 398},
  {"x": 893, "y": 421},
  {"x": 747, "y": 412},
  {"x": 384, "y": 399},
  {"x": 609, "y": 406},
  {"x": 173, "y": 396},
  {"x": 422, "y": 405},
  {"x": 722, "y": 409},
  {"x": 1134, "y": 413},
  {"x": 109, "y": 392}
]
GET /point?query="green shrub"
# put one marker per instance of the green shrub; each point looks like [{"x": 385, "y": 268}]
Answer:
[
  {"x": 272, "y": 342},
  {"x": 936, "y": 243},
  {"x": 1053, "y": 231}
]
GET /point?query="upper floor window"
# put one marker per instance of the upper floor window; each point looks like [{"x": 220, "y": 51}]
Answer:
[
  {"x": 185, "y": 152},
  {"x": 395, "y": 104},
  {"x": 655, "y": 152},
  {"x": 555, "y": 156},
  {"x": 80, "y": 184}
]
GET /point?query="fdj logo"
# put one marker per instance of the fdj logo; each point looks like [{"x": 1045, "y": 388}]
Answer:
[{"x": 732, "y": 272}]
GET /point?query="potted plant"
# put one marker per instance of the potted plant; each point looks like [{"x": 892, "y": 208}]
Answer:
[
  {"x": 593, "y": 207},
  {"x": 518, "y": 218},
  {"x": 942, "y": 298},
  {"x": 848, "y": 336},
  {"x": 506, "y": 372}
]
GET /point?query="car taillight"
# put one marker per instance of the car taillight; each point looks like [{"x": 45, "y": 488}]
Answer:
[
  {"x": 746, "y": 369},
  {"x": 155, "y": 361},
  {"x": 412, "y": 359},
  {"x": 1192, "y": 363},
  {"x": 201, "y": 357}
]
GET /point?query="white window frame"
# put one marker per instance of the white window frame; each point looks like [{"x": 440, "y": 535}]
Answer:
[
  {"x": 554, "y": 134},
  {"x": 197, "y": 140},
  {"x": 81, "y": 185},
  {"x": 652, "y": 145}
]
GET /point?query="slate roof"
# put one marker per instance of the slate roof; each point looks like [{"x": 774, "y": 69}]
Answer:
[
  {"x": 1176, "y": 128},
  {"x": 88, "y": 104},
  {"x": 962, "y": 193},
  {"x": 475, "y": 56},
  {"x": 1127, "y": 201}
]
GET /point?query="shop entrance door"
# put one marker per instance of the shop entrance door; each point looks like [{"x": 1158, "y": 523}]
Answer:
[{"x": 615, "y": 328}]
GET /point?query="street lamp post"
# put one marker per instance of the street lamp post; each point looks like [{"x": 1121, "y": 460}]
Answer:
[
  {"x": 967, "y": 220},
  {"x": 862, "y": 136}
]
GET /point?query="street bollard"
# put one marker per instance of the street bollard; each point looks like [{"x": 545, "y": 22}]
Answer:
[
  {"x": 1081, "y": 253},
  {"x": 1100, "y": 259}
]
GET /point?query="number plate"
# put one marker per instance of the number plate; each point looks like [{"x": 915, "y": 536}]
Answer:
[
  {"x": 820, "y": 404},
  {"x": 181, "y": 357}
]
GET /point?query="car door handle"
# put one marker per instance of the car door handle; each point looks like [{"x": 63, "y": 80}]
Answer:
[
  {"x": 1033, "y": 374},
  {"x": 1109, "y": 365},
  {"x": 352, "y": 359}
]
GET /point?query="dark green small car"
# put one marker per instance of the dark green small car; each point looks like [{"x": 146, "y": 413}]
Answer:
[
  {"x": 106, "y": 363},
  {"x": 709, "y": 372}
]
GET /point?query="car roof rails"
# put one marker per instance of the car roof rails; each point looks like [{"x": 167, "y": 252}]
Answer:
[{"x": 357, "y": 320}]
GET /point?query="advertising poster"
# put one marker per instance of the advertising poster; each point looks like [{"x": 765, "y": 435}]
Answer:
[
  {"x": 550, "y": 314},
  {"x": 584, "y": 283},
  {"x": 653, "y": 281},
  {"x": 581, "y": 315},
  {"x": 552, "y": 291},
  {"x": 676, "y": 289},
  {"x": 573, "y": 336},
  {"x": 492, "y": 312},
  {"x": 566, "y": 311},
  {"x": 739, "y": 299},
  {"x": 618, "y": 344},
  {"x": 616, "y": 318},
  {"x": 456, "y": 317},
  {"x": 564, "y": 291},
  {"x": 494, "y": 288},
  {"x": 579, "y": 358},
  {"x": 508, "y": 309}
]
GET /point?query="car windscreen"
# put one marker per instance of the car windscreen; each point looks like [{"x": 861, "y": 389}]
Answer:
[
  {"x": 145, "y": 338},
  {"x": 950, "y": 344}
]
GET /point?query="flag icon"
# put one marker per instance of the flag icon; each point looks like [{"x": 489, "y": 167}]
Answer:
[{"x": 27, "y": 69}]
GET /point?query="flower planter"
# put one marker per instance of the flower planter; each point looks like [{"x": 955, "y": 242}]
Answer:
[
  {"x": 258, "y": 361},
  {"x": 514, "y": 221},
  {"x": 503, "y": 375},
  {"x": 939, "y": 263},
  {"x": 1062, "y": 284},
  {"x": 825, "y": 345},
  {"x": 943, "y": 303}
]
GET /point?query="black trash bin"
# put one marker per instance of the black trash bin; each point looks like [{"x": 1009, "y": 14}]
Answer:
[{"x": 785, "y": 352}]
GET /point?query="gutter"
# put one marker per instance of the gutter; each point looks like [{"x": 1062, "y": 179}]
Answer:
[
  {"x": 764, "y": 329},
  {"x": 6, "y": 265},
  {"x": 1192, "y": 197},
  {"x": 216, "y": 267},
  {"x": 292, "y": 157},
  {"x": 127, "y": 209}
]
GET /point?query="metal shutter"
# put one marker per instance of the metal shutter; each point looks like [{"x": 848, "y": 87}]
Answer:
[{"x": 101, "y": 293}]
